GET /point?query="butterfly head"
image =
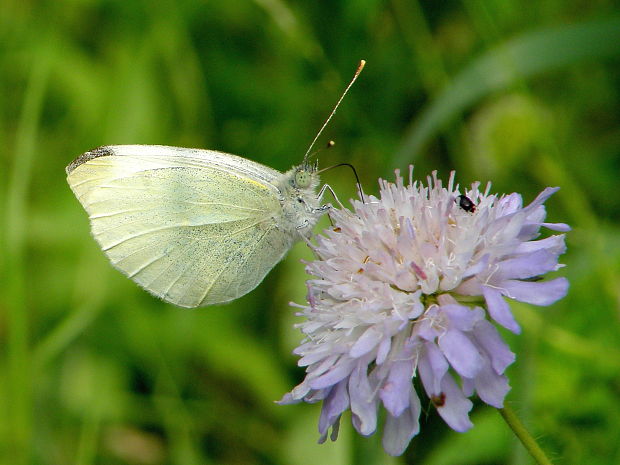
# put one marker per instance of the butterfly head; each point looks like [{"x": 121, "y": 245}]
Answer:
[
  {"x": 305, "y": 176},
  {"x": 301, "y": 207}
]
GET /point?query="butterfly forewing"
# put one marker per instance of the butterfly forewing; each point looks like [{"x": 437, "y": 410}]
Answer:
[{"x": 194, "y": 227}]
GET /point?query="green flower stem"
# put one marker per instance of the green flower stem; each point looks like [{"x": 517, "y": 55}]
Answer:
[{"x": 524, "y": 436}]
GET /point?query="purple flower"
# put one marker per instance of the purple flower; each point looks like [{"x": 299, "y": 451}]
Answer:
[{"x": 409, "y": 285}]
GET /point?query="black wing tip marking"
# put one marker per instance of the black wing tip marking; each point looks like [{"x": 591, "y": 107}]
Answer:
[{"x": 87, "y": 156}]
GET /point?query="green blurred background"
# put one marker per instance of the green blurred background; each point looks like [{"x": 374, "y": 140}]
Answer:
[{"x": 95, "y": 371}]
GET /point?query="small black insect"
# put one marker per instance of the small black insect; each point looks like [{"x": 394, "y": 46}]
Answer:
[{"x": 466, "y": 204}]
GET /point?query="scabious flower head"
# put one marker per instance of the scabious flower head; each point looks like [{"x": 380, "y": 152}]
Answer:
[{"x": 413, "y": 284}]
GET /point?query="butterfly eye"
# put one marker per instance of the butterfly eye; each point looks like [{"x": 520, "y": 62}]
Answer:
[{"x": 303, "y": 179}]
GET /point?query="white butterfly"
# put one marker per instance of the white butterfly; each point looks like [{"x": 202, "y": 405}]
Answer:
[{"x": 193, "y": 227}]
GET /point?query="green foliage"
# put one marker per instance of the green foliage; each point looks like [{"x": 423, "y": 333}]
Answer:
[{"x": 95, "y": 371}]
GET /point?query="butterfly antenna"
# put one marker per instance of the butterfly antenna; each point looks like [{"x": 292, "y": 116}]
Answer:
[
  {"x": 329, "y": 145},
  {"x": 357, "y": 73}
]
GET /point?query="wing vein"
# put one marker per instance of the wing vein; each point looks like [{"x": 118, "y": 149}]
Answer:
[
  {"x": 140, "y": 234},
  {"x": 188, "y": 265},
  {"x": 163, "y": 228},
  {"x": 143, "y": 267},
  {"x": 228, "y": 263},
  {"x": 136, "y": 210}
]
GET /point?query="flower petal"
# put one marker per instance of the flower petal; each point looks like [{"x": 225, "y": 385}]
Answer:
[
  {"x": 322, "y": 365},
  {"x": 460, "y": 352},
  {"x": 288, "y": 399},
  {"x": 363, "y": 401},
  {"x": 456, "y": 407},
  {"x": 383, "y": 350},
  {"x": 475, "y": 268},
  {"x": 490, "y": 340},
  {"x": 334, "y": 404},
  {"x": 540, "y": 198},
  {"x": 296, "y": 395},
  {"x": 366, "y": 342},
  {"x": 432, "y": 366},
  {"x": 491, "y": 387},
  {"x": 562, "y": 227},
  {"x": 554, "y": 244},
  {"x": 541, "y": 293},
  {"x": 396, "y": 390},
  {"x": 528, "y": 265},
  {"x": 471, "y": 286},
  {"x": 399, "y": 430},
  {"x": 333, "y": 375},
  {"x": 313, "y": 357},
  {"x": 461, "y": 317},
  {"x": 499, "y": 309},
  {"x": 468, "y": 387},
  {"x": 510, "y": 203}
]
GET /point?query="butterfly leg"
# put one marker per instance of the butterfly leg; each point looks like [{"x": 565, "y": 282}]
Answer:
[{"x": 327, "y": 187}]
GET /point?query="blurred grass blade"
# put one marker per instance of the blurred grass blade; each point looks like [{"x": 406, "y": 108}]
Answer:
[
  {"x": 66, "y": 332},
  {"x": 522, "y": 57},
  {"x": 16, "y": 274},
  {"x": 284, "y": 17}
]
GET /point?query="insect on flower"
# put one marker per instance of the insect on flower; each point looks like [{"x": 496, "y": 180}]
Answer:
[{"x": 466, "y": 204}]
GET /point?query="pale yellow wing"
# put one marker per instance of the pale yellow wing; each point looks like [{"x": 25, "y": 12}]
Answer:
[{"x": 194, "y": 227}]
